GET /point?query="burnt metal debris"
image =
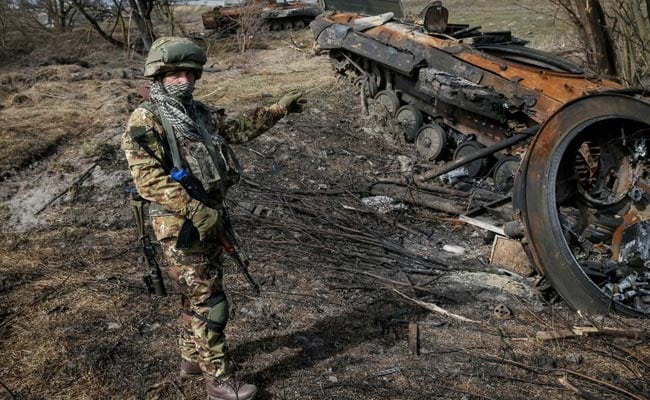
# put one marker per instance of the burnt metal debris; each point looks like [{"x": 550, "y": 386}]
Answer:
[
  {"x": 274, "y": 15},
  {"x": 570, "y": 148}
]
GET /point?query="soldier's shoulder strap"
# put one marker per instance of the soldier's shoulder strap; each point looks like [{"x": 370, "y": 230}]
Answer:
[
  {"x": 152, "y": 108},
  {"x": 138, "y": 134}
]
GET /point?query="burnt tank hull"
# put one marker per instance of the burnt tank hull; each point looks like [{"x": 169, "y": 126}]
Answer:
[
  {"x": 273, "y": 15},
  {"x": 572, "y": 146}
]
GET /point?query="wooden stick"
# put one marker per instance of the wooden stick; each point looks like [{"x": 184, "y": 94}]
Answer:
[
  {"x": 77, "y": 182},
  {"x": 13, "y": 396},
  {"x": 416, "y": 197},
  {"x": 381, "y": 278},
  {"x": 565, "y": 382},
  {"x": 482, "y": 224},
  {"x": 592, "y": 330},
  {"x": 479, "y": 194},
  {"x": 563, "y": 370},
  {"x": 552, "y": 335},
  {"x": 628, "y": 333},
  {"x": 437, "y": 309}
]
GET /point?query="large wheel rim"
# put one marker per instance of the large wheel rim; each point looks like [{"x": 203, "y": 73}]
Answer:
[{"x": 544, "y": 212}]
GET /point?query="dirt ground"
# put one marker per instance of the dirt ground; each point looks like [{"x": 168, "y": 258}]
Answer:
[{"x": 345, "y": 284}]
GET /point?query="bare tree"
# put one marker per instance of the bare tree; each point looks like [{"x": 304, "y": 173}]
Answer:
[
  {"x": 22, "y": 20},
  {"x": 249, "y": 22},
  {"x": 589, "y": 21},
  {"x": 167, "y": 11},
  {"x": 4, "y": 22},
  {"x": 615, "y": 35},
  {"x": 141, "y": 14},
  {"x": 86, "y": 11},
  {"x": 60, "y": 14},
  {"x": 631, "y": 31},
  {"x": 138, "y": 10}
]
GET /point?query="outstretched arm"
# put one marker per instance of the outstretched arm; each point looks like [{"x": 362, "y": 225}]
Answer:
[{"x": 250, "y": 125}]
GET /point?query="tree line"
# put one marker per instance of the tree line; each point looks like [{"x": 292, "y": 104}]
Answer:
[
  {"x": 111, "y": 19},
  {"x": 615, "y": 34}
]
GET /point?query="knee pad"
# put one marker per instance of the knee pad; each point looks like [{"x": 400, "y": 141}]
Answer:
[{"x": 218, "y": 314}]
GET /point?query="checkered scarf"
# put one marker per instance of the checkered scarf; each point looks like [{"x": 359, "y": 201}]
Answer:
[{"x": 176, "y": 105}]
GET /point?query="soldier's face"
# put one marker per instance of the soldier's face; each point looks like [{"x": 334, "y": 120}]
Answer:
[{"x": 178, "y": 77}]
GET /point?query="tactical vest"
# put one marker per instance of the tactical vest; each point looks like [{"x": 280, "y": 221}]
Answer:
[{"x": 212, "y": 161}]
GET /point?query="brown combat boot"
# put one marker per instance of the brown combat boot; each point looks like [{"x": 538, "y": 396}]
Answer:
[
  {"x": 190, "y": 369},
  {"x": 232, "y": 389}
]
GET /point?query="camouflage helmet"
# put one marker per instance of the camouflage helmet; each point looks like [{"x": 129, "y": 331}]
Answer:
[{"x": 168, "y": 54}]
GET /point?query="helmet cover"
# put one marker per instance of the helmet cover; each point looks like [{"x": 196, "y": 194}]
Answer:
[{"x": 169, "y": 54}]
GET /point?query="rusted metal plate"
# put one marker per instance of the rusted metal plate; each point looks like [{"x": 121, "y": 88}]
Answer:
[
  {"x": 509, "y": 254},
  {"x": 560, "y": 87}
]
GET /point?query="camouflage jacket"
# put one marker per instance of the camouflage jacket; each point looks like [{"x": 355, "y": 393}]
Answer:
[{"x": 171, "y": 204}]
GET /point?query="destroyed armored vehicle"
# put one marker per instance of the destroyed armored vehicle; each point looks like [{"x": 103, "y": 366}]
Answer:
[
  {"x": 274, "y": 15},
  {"x": 568, "y": 148}
]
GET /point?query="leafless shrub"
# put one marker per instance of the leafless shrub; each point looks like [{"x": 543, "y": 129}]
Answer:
[
  {"x": 630, "y": 28},
  {"x": 615, "y": 35},
  {"x": 249, "y": 23}
]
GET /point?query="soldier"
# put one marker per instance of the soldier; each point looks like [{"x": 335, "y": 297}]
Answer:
[{"x": 172, "y": 138}]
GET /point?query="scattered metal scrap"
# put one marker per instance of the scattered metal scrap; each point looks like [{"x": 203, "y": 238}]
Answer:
[{"x": 571, "y": 149}]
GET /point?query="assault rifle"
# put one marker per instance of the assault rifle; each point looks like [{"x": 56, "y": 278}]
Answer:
[
  {"x": 153, "y": 279},
  {"x": 229, "y": 242},
  {"x": 227, "y": 236}
]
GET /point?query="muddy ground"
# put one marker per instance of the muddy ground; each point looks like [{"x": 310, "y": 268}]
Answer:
[{"x": 343, "y": 281}]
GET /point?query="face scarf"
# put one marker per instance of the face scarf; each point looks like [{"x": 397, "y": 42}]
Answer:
[{"x": 175, "y": 104}]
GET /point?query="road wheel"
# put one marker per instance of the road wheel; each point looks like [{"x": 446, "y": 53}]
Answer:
[
  {"x": 387, "y": 102},
  {"x": 430, "y": 141},
  {"x": 410, "y": 119},
  {"x": 476, "y": 167}
]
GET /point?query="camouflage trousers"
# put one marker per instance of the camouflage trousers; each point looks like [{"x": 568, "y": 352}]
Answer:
[{"x": 198, "y": 271}]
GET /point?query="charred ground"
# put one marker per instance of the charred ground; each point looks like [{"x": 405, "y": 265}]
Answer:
[{"x": 332, "y": 320}]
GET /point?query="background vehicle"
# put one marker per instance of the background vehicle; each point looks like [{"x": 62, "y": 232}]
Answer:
[{"x": 274, "y": 15}]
